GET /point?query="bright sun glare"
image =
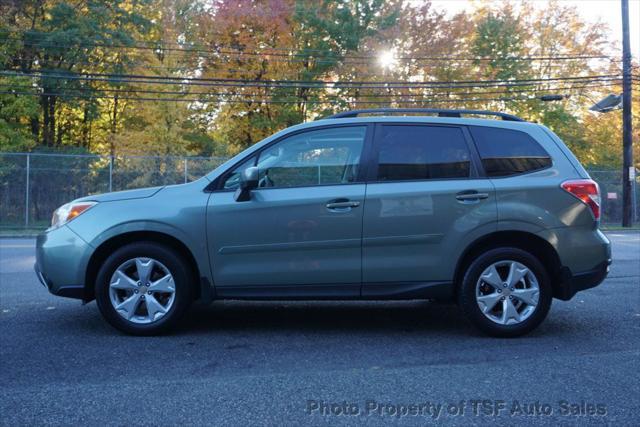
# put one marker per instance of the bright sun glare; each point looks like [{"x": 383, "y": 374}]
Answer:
[{"x": 387, "y": 59}]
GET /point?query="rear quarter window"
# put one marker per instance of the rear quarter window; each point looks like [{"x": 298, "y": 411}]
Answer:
[{"x": 507, "y": 152}]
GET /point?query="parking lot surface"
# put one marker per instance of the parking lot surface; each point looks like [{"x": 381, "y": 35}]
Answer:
[{"x": 239, "y": 363}]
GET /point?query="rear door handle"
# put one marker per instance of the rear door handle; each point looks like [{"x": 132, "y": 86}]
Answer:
[
  {"x": 342, "y": 204},
  {"x": 471, "y": 195}
]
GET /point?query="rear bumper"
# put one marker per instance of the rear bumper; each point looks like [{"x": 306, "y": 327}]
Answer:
[
  {"x": 571, "y": 284},
  {"x": 61, "y": 260},
  {"x": 584, "y": 254}
]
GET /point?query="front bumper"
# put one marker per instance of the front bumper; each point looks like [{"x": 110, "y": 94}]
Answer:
[
  {"x": 71, "y": 291},
  {"x": 61, "y": 260}
]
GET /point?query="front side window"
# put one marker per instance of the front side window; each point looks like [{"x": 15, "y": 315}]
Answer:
[
  {"x": 233, "y": 180},
  {"x": 508, "y": 152},
  {"x": 316, "y": 157},
  {"x": 422, "y": 152}
]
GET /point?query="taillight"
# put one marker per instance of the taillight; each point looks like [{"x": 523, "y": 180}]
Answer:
[{"x": 587, "y": 191}]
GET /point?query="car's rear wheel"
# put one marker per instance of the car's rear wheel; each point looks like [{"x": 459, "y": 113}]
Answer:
[
  {"x": 505, "y": 292},
  {"x": 143, "y": 288}
]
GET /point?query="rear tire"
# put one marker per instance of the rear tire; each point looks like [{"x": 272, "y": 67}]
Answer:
[
  {"x": 144, "y": 288},
  {"x": 505, "y": 292}
]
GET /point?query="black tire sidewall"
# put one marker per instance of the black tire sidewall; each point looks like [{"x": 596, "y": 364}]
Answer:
[
  {"x": 171, "y": 260},
  {"x": 467, "y": 296}
]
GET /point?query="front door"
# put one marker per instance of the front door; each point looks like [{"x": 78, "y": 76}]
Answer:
[{"x": 300, "y": 233}]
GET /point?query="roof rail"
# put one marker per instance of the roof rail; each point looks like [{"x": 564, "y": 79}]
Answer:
[{"x": 439, "y": 112}]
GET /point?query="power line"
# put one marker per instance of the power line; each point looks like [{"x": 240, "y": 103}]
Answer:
[
  {"x": 272, "y": 101},
  {"x": 161, "y": 45},
  {"x": 291, "y": 52},
  {"x": 226, "y": 82},
  {"x": 226, "y": 69},
  {"x": 361, "y": 95}
]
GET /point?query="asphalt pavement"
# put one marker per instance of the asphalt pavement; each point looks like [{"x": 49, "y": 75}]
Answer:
[{"x": 266, "y": 363}]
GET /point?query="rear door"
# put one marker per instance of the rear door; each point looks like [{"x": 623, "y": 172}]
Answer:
[{"x": 424, "y": 200}]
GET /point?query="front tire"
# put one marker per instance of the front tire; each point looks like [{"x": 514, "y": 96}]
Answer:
[
  {"x": 505, "y": 292},
  {"x": 143, "y": 288}
]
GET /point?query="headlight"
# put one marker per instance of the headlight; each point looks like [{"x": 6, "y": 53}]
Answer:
[{"x": 67, "y": 212}]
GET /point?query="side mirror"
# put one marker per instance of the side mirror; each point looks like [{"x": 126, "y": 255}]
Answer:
[{"x": 249, "y": 179}]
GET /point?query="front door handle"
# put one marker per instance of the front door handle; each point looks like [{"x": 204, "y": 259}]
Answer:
[
  {"x": 471, "y": 195},
  {"x": 342, "y": 204}
]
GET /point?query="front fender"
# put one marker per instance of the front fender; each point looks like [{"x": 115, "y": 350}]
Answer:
[
  {"x": 176, "y": 211},
  {"x": 198, "y": 249}
]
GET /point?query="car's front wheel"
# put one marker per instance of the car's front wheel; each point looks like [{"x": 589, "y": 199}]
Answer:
[
  {"x": 143, "y": 288},
  {"x": 505, "y": 292}
]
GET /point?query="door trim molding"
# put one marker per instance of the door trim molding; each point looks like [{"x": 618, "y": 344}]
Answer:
[
  {"x": 402, "y": 240},
  {"x": 290, "y": 246}
]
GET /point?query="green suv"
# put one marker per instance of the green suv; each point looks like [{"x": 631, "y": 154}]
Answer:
[{"x": 497, "y": 215}]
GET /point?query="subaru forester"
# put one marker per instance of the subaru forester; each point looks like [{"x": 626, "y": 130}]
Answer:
[{"x": 497, "y": 215}]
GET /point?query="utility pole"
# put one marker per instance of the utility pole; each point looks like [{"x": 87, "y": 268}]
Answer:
[{"x": 627, "y": 152}]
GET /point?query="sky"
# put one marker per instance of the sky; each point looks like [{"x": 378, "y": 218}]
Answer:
[{"x": 607, "y": 11}]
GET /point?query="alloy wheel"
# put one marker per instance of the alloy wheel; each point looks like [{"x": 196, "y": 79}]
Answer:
[
  {"x": 142, "y": 290},
  {"x": 507, "y": 292}
]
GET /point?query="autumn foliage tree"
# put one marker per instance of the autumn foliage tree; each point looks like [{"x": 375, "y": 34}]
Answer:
[{"x": 216, "y": 76}]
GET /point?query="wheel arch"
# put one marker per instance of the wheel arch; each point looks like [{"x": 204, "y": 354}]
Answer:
[
  {"x": 530, "y": 242},
  {"x": 112, "y": 244}
]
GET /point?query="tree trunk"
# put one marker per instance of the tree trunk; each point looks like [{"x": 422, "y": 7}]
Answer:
[
  {"x": 85, "y": 129},
  {"x": 114, "y": 127},
  {"x": 48, "y": 120},
  {"x": 44, "y": 102},
  {"x": 59, "y": 135},
  {"x": 52, "y": 119},
  {"x": 35, "y": 128}
]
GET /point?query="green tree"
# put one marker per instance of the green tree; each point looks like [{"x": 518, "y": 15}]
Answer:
[
  {"x": 500, "y": 36},
  {"x": 16, "y": 113},
  {"x": 58, "y": 38},
  {"x": 259, "y": 41}
]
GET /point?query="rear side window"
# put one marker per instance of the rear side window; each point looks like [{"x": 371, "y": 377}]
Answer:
[
  {"x": 508, "y": 152},
  {"x": 422, "y": 152}
]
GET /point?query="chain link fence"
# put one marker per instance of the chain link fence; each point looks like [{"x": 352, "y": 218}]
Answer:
[{"x": 32, "y": 185}]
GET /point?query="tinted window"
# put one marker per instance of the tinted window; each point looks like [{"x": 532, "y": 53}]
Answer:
[
  {"x": 422, "y": 152},
  {"x": 317, "y": 157},
  {"x": 508, "y": 152}
]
